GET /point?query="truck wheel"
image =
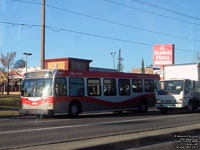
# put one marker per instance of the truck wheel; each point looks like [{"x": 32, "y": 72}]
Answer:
[
  {"x": 164, "y": 110},
  {"x": 190, "y": 107},
  {"x": 74, "y": 110}
]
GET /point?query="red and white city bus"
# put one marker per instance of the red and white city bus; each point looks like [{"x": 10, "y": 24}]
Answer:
[{"x": 61, "y": 92}]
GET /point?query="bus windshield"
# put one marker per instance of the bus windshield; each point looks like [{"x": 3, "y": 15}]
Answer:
[
  {"x": 174, "y": 87},
  {"x": 37, "y": 87}
]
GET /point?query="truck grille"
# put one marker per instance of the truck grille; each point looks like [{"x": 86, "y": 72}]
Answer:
[{"x": 166, "y": 101}]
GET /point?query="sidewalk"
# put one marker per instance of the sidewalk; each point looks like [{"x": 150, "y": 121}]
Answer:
[{"x": 128, "y": 141}]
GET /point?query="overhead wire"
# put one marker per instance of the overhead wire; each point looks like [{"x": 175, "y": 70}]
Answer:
[
  {"x": 149, "y": 12},
  {"x": 166, "y": 9},
  {"x": 55, "y": 29},
  {"x": 109, "y": 21}
]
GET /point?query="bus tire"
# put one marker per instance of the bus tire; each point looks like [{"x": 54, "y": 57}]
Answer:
[
  {"x": 74, "y": 109},
  {"x": 143, "y": 106},
  {"x": 118, "y": 112},
  {"x": 190, "y": 107},
  {"x": 164, "y": 110}
]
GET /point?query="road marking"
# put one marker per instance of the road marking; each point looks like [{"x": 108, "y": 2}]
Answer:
[
  {"x": 36, "y": 119},
  {"x": 93, "y": 124}
]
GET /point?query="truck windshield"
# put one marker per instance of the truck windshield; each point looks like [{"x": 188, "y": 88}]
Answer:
[
  {"x": 37, "y": 87},
  {"x": 166, "y": 87}
]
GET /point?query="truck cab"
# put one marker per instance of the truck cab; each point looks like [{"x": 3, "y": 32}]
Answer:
[{"x": 175, "y": 94}]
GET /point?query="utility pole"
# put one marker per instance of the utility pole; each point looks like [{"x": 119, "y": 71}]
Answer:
[{"x": 43, "y": 36}]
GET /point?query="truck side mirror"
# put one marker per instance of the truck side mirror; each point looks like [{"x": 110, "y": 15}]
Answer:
[{"x": 194, "y": 86}]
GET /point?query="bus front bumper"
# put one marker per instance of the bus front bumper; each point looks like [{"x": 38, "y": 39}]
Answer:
[{"x": 48, "y": 112}]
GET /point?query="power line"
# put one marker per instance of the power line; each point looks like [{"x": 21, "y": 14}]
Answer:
[
  {"x": 109, "y": 21},
  {"x": 88, "y": 34},
  {"x": 149, "y": 12},
  {"x": 165, "y": 9},
  {"x": 27, "y": 2}
]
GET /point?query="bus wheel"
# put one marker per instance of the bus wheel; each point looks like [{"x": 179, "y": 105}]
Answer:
[
  {"x": 164, "y": 110},
  {"x": 118, "y": 112},
  {"x": 143, "y": 106},
  {"x": 190, "y": 107},
  {"x": 74, "y": 110}
]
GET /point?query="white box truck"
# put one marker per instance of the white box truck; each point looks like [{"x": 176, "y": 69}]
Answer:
[{"x": 180, "y": 88}]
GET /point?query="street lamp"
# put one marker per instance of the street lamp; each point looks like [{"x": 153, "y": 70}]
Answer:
[
  {"x": 27, "y": 54},
  {"x": 113, "y": 55}
]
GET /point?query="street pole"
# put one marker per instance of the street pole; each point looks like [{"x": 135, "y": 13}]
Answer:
[
  {"x": 113, "y": 55},
  {"x": 27, "y": 54},
  {"x": 43, "y": 36},
  {"x": 26, "y": 63}
]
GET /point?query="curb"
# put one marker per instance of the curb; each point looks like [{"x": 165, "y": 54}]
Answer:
[{"x": 146, "y": 141}]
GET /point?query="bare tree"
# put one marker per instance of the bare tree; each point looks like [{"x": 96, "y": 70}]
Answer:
[
  {"x": 143, "y": 68},
  {"x": 120, "y": 66},
  {"x": 7, "y": 61}
]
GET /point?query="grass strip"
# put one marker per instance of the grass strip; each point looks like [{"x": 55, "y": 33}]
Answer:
[
  {"x": 9, "y": 113},
  {"x": 10, "y": 101}
]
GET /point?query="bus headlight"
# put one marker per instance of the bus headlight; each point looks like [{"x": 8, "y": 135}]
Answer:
[{"x": 50, "y": 105}]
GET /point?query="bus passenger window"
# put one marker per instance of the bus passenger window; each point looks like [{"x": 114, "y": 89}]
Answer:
[
  {"x": 137, "y": 85},
  {"x": 76, "y": 86},
  {"x": 109, "y": 87},
  {"x": 149, "y": 85},
  {"x": 60, "y": 87},
  {"x": 124, "y": 87},
  {"x": 94, "y": 87}
]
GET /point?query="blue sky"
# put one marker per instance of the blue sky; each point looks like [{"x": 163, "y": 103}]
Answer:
[{"x": 59, "y": 44}]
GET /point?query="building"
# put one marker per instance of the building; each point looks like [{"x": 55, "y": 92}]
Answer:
[
  {"x": 15, "y": 77},
  {"x": 73, "y": 64},
  {"x": 148, "y": 70},
  {"x": 68, "y": 64}
]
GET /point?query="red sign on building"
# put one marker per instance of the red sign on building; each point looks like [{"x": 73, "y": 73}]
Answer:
[{"x": 163, "y": 54}]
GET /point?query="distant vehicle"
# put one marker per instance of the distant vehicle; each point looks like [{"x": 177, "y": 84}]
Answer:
[
  {"x": 180, "y": 88},
  {"x": 61, "y": 92}
]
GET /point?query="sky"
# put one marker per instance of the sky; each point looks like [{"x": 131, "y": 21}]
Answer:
[{"x": 92, "y": 29}]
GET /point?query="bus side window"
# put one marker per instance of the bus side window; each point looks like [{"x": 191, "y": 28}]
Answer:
[
  {"x": 109, "y": 87},
  {"x": 76, "y": 86},
  {"x": 137, "y": 85},
  {"x": 93, "y": 87},
  {"x": 149, "y": 85},
  {"x": 60, "y": 86},
  {"x": 124, "y": 87}
]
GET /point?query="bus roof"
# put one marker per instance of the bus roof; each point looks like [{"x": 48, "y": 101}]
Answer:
[{"x": 106, "y": 74}]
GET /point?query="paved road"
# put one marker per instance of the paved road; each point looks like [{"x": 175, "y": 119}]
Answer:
[{"x": 23, "y": 131}]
